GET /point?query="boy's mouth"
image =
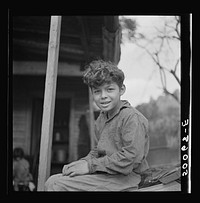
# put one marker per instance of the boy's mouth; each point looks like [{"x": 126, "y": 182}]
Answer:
[{"x": 105, "y": 103}]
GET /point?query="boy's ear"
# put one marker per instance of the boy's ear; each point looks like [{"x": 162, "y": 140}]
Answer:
[{"x": 122, "y": 90}]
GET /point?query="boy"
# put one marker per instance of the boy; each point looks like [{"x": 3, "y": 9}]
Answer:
[{"x": 122, "y": 139}]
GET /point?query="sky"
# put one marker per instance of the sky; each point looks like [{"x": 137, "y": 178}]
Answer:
[{"x": 142, "y": 79}]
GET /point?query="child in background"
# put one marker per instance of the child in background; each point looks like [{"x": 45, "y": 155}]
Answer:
[
  {"x": 21, "y": 176},
  {"x": 121, "y": 134}
]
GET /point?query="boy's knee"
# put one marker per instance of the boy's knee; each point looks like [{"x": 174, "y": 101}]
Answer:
[{"x": 48, "y": 186}]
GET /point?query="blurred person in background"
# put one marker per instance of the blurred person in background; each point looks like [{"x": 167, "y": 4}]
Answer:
[{"x": 22, "y": 178}]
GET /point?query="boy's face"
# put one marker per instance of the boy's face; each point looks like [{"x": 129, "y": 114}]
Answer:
[{"x": 107, "y": 96}]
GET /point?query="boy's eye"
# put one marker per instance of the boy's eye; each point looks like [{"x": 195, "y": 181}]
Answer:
[
  {"x": 96, "y": 91},
  {"x": 110, "y": 89}
]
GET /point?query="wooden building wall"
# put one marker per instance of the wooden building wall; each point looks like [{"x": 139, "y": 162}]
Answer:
[
  {"x": 22, "y": 123},
  {"x": 29, "y": 88}
]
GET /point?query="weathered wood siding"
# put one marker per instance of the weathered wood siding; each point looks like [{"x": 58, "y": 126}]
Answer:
[
  {"x": 28, "y": 88},
  {"x": 21, "y": 124}
]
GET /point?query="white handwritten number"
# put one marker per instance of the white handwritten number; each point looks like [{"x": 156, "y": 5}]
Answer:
[
  {"x": 184, "y": 148},
  {"x": 185, "y": 138},
  {"x": 185, "y": 173},
  {"x": 186, "y": 123},
  {"x": 185, "y": 157}
]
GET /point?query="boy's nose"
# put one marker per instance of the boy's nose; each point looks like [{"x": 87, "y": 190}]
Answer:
[{"x": 103, "y": 94}]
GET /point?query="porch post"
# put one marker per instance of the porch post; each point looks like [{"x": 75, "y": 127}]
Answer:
[
  {"x": 111, "y": 39},
  {"x": 49, "y": 102},
  {"x": 91, "y": 110}
]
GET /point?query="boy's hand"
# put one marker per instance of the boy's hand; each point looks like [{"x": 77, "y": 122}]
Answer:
[{"x": 76, "y": 168}]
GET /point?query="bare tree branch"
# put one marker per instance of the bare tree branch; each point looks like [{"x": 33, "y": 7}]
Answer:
[
  {"x": 168, "y": 34},
  {"x": 177, "y": 79},
  {"x": 173, "y": 95},
  {"x": 177, "y": 62},
  {"x": 177, "y": 27}
]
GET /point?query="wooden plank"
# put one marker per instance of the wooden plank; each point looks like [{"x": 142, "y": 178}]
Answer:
[
  {"x": 111, "y": 23},
  {"x": 83, "y": 37},
  {"x": 39, "y": 68},
  {"x": 21, "y": 123},
  {"x": 49, "y": 102},
  {"x": 111, "y": 39},
  {"x": 92, "y": 139}
]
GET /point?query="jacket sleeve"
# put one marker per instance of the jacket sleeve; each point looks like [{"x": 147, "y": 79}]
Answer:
[
  {"x": 92, "y": 154},
  {"x": 134, "y": 129}
]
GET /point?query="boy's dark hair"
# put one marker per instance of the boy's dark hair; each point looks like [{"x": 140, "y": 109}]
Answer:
[
  {"x": 18, "y": 152},
  {"x": 99, "y": 72}
]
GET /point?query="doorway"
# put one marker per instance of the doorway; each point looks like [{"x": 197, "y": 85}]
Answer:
[{"x": 60, "y": 141}]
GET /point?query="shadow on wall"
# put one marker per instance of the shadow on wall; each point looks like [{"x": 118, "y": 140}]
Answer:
[{"x": 84, "y": 137}]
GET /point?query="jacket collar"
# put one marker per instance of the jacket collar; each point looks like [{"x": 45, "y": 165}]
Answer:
[{"x": 122, "y": 104}]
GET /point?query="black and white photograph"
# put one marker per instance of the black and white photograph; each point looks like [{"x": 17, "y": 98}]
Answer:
[{"x": 97, "y": 103}]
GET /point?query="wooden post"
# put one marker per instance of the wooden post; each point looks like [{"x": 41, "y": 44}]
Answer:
[
  {"x": 92, "y": 138},
  {"x": 49, "y": 102}
]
